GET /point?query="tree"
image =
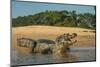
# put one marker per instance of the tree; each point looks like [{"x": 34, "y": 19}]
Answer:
[{"x": 57, "y": 18}]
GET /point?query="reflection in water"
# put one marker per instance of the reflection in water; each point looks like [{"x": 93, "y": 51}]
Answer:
[
  {"x": 65, "y": 58},
  {"x": 76, "y": 54}
]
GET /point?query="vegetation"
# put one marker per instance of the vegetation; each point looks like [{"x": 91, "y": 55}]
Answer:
[{"x": 57, "y": 18}]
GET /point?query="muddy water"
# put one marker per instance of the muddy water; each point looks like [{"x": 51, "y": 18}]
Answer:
[{"x": 75, "y": 55}]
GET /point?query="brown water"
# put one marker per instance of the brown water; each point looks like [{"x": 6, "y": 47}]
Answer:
[{"x": 75, "y": 55}]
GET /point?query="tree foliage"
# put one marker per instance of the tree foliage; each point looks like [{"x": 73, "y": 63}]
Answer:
[{"x": 57, "y": 18}]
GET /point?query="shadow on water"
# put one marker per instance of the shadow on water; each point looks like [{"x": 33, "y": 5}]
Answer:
[{"x": 75, "y": 55}]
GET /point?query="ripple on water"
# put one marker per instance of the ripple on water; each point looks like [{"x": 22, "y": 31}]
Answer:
[{"x": 75, "y": 55}]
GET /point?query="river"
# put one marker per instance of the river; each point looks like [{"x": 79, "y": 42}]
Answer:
[{"x": 75, "y": 55}]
